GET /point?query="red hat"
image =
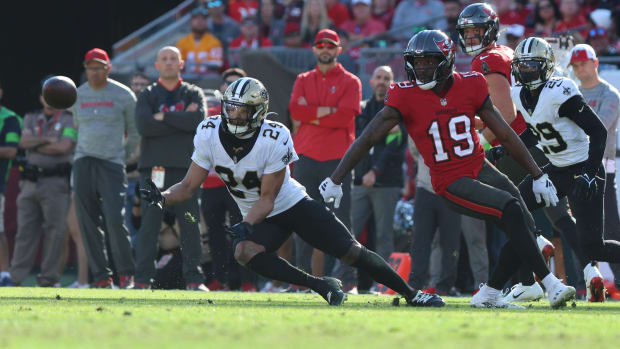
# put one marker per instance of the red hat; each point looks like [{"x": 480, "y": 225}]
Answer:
[
  {"x": 291, "y": 27},
  {"x": 327, "y": 35},
  {"x": 98, "y": 55},
  {"x": 582, "y": 53}
]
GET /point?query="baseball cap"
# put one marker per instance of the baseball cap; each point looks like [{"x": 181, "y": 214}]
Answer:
[
  {"x": 582, "y": 53},
  {"x": 98, "y": 55},
  {"x": 291, "y": 27},
  {"x": 365, "y": 2},
  {"x": 327, "y": 35}
]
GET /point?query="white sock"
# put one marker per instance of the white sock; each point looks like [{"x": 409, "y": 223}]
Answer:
[
  {"x": 549, "y": 281},
  {"x": 5, "y": 274}
]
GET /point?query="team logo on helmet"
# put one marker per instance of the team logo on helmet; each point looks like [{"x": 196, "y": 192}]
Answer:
[
  {"x": 488, "y": 11},
  {"x": 446, "y": 46}
]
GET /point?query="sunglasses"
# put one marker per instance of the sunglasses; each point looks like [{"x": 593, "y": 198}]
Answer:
[
  {"x": 327, "y": 45},
  {"x": 212, "y": 4},
  {"x": 596, "y": 32}
]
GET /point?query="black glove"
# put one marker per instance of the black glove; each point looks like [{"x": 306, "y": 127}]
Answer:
[
  {"x": 495, "y": 153},
  {"x": 152, "y": 195},
  {"x": 584, "y": 188},
  {"x": 240, "y": 231}
]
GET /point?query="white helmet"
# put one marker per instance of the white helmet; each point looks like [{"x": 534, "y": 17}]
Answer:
[{"x": 245, "y": 93}]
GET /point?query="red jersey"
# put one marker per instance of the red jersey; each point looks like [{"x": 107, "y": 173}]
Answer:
[
  {"x": 443, "y": 128},
  {"x": 498, "y": 60}
]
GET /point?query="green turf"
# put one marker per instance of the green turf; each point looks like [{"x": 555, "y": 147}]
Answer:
[{"x": 61, "y": 318}]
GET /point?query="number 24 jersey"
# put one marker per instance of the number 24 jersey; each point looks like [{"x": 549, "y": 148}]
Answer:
[
  {"x": 272, "y": 152},
  {"x": 443, "y": 128}
]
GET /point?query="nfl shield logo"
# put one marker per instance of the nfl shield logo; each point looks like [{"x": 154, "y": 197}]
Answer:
[
  {"x": 333, "y": 89},
  {"x": 443, "y": 102}
]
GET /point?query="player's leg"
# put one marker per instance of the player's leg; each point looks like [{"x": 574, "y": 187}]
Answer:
[
  {"x": 320, "y": 228},
  {"x": 612, "y": 220}
]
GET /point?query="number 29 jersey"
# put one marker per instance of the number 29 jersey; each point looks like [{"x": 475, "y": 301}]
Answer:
[
  {"x": 272, "y": 152},
  {"x": 563, "y": 142},
  {"x": 443, "y": 128}
]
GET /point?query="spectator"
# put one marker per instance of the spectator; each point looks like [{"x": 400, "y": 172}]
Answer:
[
  {"x": 314, "y": 18},
  {"x": 229, "y": 76},
  {"x": 325, "y": 100},
  {"x": 362, "y": 25},
  {"x": 249, "y": 35},
  {"x": 598, "y": 39},
  {"x": 294, "y": 11},
  {"x": 514, "y": 35},
  {"x": 271, "y": 27},
  {"x": 219, "y": 24},
  {"x": 546, "y": 17},
  {"x": 345, "y": 58},
  {"x": 107, "y": 136},
  {"x": 337, "y": 12},
  {"x": 410, "y": 14},
  {"x": 452, "y": 10},
  {"x": 573, "y": 21},
  {"x": 49, "y": 137},
  {"x": 378, "y": 181},
  {"x": 9, "y": 140},
  {"x": 167, "y": 114},
  {"x": 383, "y": 11},
  {"x": 292, "y": 36},
  {"x": 511, "y": 12},
  {"x": 201, "y": 50},
  {"x": 239, "y": 9},
  {"x": 605, "y": 100}
]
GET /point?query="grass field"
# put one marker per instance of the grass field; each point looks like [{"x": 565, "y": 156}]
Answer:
[{"x": 61, "y": 318}]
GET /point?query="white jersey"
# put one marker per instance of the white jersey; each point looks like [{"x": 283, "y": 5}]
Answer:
[
  {"x": 272, "y": 152},
  {"x": 563, "y": 142}
]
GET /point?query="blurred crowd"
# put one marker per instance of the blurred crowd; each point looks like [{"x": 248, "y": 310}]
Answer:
[{"x": 79, "y": 178}]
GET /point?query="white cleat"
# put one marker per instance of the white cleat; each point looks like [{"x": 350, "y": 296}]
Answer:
[
  {"x": 482, "y": 300},
  {"x": 595, "y": 285},
  {"x": 560, "y": 294},
  {"x": 521, "y": 293},
  {"x": 546, "y": 247}
]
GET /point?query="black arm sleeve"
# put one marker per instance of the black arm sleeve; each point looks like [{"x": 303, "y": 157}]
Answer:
[{"x": 576, "y": 109}]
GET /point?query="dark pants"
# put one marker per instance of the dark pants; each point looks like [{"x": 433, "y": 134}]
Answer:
[
  {"x": 191, "y": 248},
  {"x": 100, "y": 187},
  {"x": 310, "y": 173},
  {"x": 612, "y": 221},
  {"x": 430, "y": 215}
]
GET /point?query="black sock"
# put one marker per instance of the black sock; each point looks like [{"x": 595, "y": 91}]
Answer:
[
  {"x": 508, "y": 263},
  {"x": 567, "y": 227},
  {"x": 526, "y": 277},
  {"x": 381, "y": 272},
  {"x": 273, "y": 267}
]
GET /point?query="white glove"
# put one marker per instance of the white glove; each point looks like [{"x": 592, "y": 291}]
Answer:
[
  {"x": 544, "y": 189},
  {"x": 331, "y": 192}
]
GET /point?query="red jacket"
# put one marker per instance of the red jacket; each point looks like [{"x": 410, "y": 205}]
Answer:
[{"x": 333, "y": 135}]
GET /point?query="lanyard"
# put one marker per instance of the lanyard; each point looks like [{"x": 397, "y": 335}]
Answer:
[{"x": 41, "y": 121}]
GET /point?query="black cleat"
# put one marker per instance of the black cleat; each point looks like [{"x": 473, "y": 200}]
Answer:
[
  {"x": 333, "y": 293},
  {"x": 422, "y": 299}
]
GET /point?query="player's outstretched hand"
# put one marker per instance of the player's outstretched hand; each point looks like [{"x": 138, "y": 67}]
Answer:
[
  {"x": 240, "y": 231},
  {"x": 495, "y": 153},
  {"x": 331, "y": 192},
  {"x": 152, "y": 195},
  {"x": 584, "y": 188},
  {"x": 544, "y": 189}
]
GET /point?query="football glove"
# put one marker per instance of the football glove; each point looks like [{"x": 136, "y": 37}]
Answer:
[
  {"x": 240, "y": 231},
  {"x": 584, "y": 188},
  {"x": 331, "y": 192},
  {"x": 495, "y": 153},
  {"x": 152, "y": 194},
  {"x": 544, "y": 189}
]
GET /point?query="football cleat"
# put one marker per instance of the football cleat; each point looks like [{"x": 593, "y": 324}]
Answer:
[
  {"x": 546, "y": 247},
  {"x": 423, "y": 299},
  {"x": 483, "y": 300},
  {"x": 105, "y": 283},
  {"x": 6, "y": 282},
  {"x": 125, "y": 281},
  {"x": 521, "y": 293},
  {"x": 595, "y": 285},
  {"x": 333, "y": 293},
  {"x": 197, "y": 286},
  {"x": 560, "y": 294},
  {"x": 78, "y": 285}
]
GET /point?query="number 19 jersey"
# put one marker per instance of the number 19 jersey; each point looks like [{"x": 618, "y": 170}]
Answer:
[
  {"x": 272, "y": 152},
  {"x": 443, "y": 128}
]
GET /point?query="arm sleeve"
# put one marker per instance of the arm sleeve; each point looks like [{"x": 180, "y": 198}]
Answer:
[
  {"x": 282, "y": 154},
  {"x": 576, "y": 109},
  {"x": 187, "y": 121},
  {"x": 608, "y": 112},
  {"x": 396, "y": 143},
  {"x": 303, "y": 113},
  {"x": 200, "y": 156},
  {"x": 528, "y": 138},
  {"x": 12, "y": 131},
  {"x": 146, "y": 125},
  {"x": 133, "y": 137}
]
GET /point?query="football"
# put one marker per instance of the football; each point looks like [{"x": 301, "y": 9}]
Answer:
[{"x": 59, "y": 92}]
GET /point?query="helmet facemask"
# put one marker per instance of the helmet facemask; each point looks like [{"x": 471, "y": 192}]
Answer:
[
  {"x": 426, "y": 75},
  {"x": 486, "y": 39},
  {"x": 478, "y": 15},
  {"x": 531, "y": 73},
  {"x": 244, "y": 107}
]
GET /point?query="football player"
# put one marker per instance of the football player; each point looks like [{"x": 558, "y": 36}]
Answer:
[
  {"x": 251, "y": 155},
  {"x": 478, "y": 28},
  {"x": 573, "y": 138},
  {"x": 437, "y": 106}
]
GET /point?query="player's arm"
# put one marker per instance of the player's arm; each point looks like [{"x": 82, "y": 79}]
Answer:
[
  {"x": 269, "y": 189},
  {"x": 577, "y": 109},
  {"x": 499, "y": 89},
  {"x": 375, "y": 131},
  {"x": 185, "y": 189},
  {"x": 508, "y": 138}
]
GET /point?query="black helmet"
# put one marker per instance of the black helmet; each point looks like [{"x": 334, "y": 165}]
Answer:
[
  {"x": 430, "y": 43},
  {"x": 478, "y": 15}
]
